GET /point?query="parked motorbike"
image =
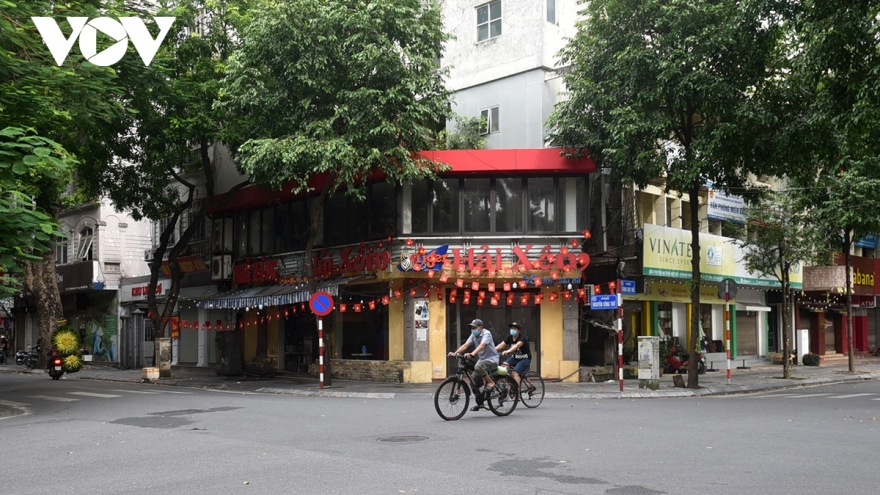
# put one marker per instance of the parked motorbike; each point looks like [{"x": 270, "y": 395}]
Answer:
[
  {"x": 55, "y": 369},
  {"x": 676, "y": 362},
  {"x": 28, "y": 358}
]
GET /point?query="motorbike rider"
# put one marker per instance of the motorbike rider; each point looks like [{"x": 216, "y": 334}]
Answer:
[{"x": 519, "y": 351}]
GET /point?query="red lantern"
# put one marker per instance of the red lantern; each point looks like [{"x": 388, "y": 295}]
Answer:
[
  {"x": 475, "y": 286},
  {"x": 538, "y": 282},
  {"x": 430, "y": 273},
  {"x": 409, "y": 242},
  {"x": 491, "y": 287},
  {"x": 507, "y": 286},
  {"x": 398, "y": 293},
  {"x": 554, "y": 296},
  {"x": 386, "y": 300},
  {"x": 597, "y": 289},
  {"x": 444, "y": 277},
  {"x": 453, "y": 295},
  {"x": 459, "y": 282},
  {"x": 372, "y": 305},
  {"x": 493, "y": 302},
  {"x": 554, "y": 275},
  {"x": 582, "y": 293},
  {"x": 566, "y": 295},
  {"x": 587, "y": 234},
  {"x": 412, "y": 292},
  {"x": 358, "y": 308},
  {"x": 539, "y": 298},
  {"x": 524, "y": 300},
  {"x": 510, "y": 299}
]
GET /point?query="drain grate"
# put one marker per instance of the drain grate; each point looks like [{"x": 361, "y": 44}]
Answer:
[{"x": 402, "y": 439}]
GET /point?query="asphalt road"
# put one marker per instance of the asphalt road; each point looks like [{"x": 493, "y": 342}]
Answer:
[{"x": 93, "y": 437}]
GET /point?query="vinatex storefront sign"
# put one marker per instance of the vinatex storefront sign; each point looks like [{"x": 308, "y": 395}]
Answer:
[{"x": 667, "y": 254}]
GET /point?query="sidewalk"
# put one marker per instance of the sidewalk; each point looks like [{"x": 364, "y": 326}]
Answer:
[{"x": 758, "y": 378}]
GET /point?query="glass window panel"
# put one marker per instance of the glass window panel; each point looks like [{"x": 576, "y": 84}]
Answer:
[
  {"x": 383, "y": 210},
  {"x": 495, "y": 28},
  {"x": 494, "y": 119},
  {"x": 268, "y": 230},
  {"x": 335, "y": 219},
  {"x": 573, "y": 204},
  {"x": 358, "y": 220},
  {"x": 477, "y": 208},
  {"x": 542, "y": 205},
  {"x": 241, "y": 234},
  {"x": 445, "y": 206},
  {"x": 551, "y": 11},
  {"x": 254, "y": 232},
  {"x": 484, "y": 121},
  {"x": 284, "y": 228},
  {"x": 483, "y": 14},
  {"x": 483, "y": 32},
  {"x": 419, "y": 206},
  {"x": 508, "y": 205},
  {"x": 495, "y": 10}
]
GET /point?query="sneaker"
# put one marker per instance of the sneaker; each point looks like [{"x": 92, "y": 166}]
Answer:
[{"x": 478, "y": 407}]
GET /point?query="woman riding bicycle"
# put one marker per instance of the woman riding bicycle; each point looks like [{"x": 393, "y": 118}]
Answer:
[
  {"x": 487, "y": 358},
  {"x": 520, "y": 352}
]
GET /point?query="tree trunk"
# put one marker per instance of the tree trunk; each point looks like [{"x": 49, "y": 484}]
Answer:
[
  {"x": 41, "y": 280},
  {"x": 786, "y": 323},
  {"x": 693, "y": 376}
]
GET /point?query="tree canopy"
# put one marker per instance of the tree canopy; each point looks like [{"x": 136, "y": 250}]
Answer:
[
  {"x": 343, "y": 87},
  {"x": 661, "y": 90}
]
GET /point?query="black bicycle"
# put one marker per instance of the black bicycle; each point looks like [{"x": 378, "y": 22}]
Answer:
[
  {"x": 531, "y": 389},
  {"x": 453, "y": 395}
]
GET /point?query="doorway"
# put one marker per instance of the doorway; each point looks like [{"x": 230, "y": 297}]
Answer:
[{"x": 495, "y": 319}]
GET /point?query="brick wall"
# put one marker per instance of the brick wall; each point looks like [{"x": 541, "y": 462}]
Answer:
[{"x": 373, "y": 371}]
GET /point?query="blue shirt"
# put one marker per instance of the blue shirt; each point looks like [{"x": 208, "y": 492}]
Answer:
[{"x": 488, "y": 353}]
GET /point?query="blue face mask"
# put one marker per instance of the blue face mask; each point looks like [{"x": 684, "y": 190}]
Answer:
[
  {"x": 513, "y": 332},
  {"x": 475, "y": 332}
]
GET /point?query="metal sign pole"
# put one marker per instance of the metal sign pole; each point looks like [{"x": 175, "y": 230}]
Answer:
[
  {"x": 620, "y": 335},
  {"x": 727, "y": 325},
  {"x": 321, "y": 351}
]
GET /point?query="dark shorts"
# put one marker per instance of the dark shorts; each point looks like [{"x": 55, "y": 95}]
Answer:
[{"x": 519, "y": 365}]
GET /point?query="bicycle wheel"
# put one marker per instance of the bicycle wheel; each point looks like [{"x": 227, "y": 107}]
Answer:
[
  {"x": 531, "y": 389},
  {"x": 502, "y": 398},
  {"x": 451, "y": 398}
]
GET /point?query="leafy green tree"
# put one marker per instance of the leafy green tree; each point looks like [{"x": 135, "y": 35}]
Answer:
[
  {"x": 53, "y": 104},
  {"x": 661, "y": 89},
  {"x": 162, "y": 167},
  {"x": 834, "y": 95},
  {"x": 779, "y": 236},
  {"x": 339, "y": 89},
  {"x": 26, "y": 161},
  {"x": 467, "y": 135}
]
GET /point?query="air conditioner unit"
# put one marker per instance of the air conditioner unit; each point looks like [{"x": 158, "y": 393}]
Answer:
[{"x": 221, "y": 267}]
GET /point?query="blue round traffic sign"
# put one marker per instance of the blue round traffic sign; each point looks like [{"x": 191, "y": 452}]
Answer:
[{"x": 321, "y": 303}]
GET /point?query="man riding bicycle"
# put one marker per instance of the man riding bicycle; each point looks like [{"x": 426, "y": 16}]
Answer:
[
  {"x": 487, "y": 359},
  {"x": 519, "y": 348}
]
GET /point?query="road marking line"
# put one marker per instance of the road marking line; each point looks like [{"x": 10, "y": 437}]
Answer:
[
  {"x": 56, "y": 399},
  {"x": 806, "y": 396},
  {"x": 136, "y": 392},
  {"x": 850, "y": 395},
  {"x": 13, "y": 403},
  {"x": 92, "y": 394}
]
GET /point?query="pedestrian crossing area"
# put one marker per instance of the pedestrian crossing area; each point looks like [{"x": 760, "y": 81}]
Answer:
[{"x": 86, "y": 394}]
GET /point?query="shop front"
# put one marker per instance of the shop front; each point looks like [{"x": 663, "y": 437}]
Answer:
[
  {"x": 823, "y": 306},
  {"x": 667, "y": 310}
]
